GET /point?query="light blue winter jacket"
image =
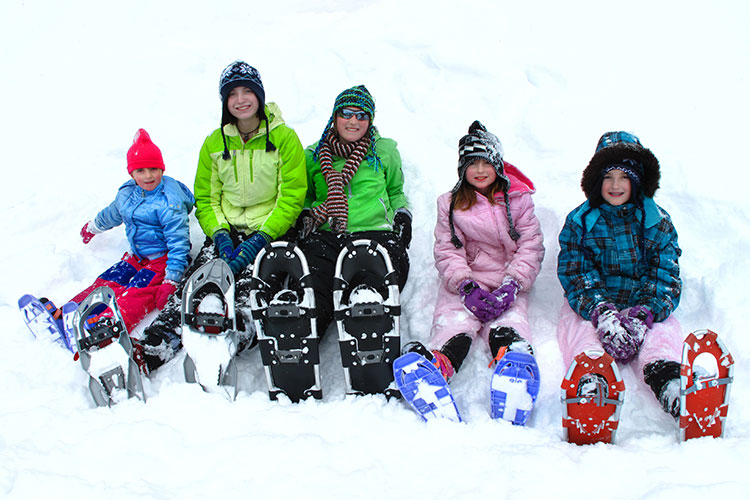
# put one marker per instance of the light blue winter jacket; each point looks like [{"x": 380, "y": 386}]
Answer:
[{"x": 156, "y": 222}]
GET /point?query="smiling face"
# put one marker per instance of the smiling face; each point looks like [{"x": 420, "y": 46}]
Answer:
[
  {"x": 352, "y": 129},
  {"x": 481, "y": 175},
  {"x": 616, "y": 187},
  {"x": 147, "y": 178},
  {"x": 242, "y": 103}
]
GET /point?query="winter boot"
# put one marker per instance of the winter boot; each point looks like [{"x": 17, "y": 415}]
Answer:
[
  {"x": 508, "y": 337},
  {"x": 663, "y": 377},
  {"x": 441, "y": 361}
]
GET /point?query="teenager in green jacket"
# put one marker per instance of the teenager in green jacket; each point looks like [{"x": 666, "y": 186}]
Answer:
[
  {"x": 249, "y": 189},
  {"x": 355, "y": 190}
]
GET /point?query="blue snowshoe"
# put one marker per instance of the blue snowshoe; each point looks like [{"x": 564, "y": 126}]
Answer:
[
  {"x": 424, "y": 388},
  {"x": 37, "y": 314},
  {"x": 514, "y": 387}
]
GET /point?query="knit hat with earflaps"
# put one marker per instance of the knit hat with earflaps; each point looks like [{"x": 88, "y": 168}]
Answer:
[
  {"x": 358, "y": 97},
  {"x": 241, "y": 74},
  {"x": 144, "y": 153},
  {"x": 480, "y": 143}
]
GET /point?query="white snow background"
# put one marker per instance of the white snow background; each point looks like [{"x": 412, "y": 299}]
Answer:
[{"x": 79, "y": 78}]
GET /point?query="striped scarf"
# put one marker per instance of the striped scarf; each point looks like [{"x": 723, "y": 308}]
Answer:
[{"x": 335, "y": 209}]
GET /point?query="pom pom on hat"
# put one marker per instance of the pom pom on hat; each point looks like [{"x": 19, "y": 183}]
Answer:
[{"x": 144, "y": 153}]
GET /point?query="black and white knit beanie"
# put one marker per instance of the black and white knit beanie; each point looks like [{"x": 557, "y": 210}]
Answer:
[
  {"x": 241, "y": 74},
  {"x": 480, "y": 143}
]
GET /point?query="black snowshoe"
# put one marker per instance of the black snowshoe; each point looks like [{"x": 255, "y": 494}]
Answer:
[
  {"x": 283, "y": 305},
  {"x": 367, "y": 309}
]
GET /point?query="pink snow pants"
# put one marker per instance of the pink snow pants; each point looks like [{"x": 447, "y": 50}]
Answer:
[
  {"x": 135, "y": 282},
  {"x": 575, "y": 335},
  {"x": 452, "y": 318}
]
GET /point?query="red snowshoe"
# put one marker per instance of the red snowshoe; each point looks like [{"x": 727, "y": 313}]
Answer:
[
  {"x": 592, "y": 396},
  {"x": 704, "y": 387}
]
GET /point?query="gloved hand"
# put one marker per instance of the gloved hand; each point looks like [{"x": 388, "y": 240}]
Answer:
[
  {"x": 86, "y": 233},
  {"x": 507, "y": 292},
  {"x": 619, "y": 337},
  {"x": 245, "y": 253},
  {"x": 402, "y": 226},
  {"x": 166, "y": 289},
  {"x": 223, "y": 243},
  {"x": 484, "y": 305},
  {"x": 642, "y": 314},
  {"x": 305, "y": 224}
]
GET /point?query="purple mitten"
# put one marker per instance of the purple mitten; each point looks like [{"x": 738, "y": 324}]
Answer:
[
  {"x": 483, "y": 304},
  {"x": 641, "y": 313},
  {"x": 618, "y": 335},
  {"x": 506, "y": 294}
]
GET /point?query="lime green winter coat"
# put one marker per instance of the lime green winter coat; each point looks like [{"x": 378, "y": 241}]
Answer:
[
  {"x": 374, "y": 194},
  {"x": 254, "y": 189}
]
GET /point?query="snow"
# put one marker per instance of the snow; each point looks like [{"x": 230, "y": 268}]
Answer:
[{"x": 548, "y": 78}]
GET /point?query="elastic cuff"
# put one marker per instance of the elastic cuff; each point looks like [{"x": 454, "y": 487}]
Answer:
[{"x": 175, "y": 276}]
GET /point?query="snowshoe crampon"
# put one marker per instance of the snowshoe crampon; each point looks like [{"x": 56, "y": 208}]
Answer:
[
  {"x": 37, "y": 315},
  {"x": 425, "y": 389},
  {"x": 706, "y": 374},
  {"x": 592, "y": 396},
  {"x": 105, "y": 349},
  {"x": 367, "y": 309},
  {"x": 514, "y": 387},
  {"x": 283, "y": 305},
  {"x": 209, "y": 331}
]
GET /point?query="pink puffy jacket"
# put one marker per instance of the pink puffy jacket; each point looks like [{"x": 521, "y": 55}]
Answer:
[{"x": 489, "y": 254}]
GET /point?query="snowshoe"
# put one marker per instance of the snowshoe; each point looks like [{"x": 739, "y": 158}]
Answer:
[
  {"x": 366, "y": 310},
  {"x": 209, "y": 331},
  {"x": 283, "y": 306},
  {"x": 425, "y": 389},
  {"x": 592, "y": 395},
  {"x": 37, "y": 314},
  {"x": 105, "y": 349},
  {"x": 706, "y": 374},
  {"x": 514, "y": 387}
]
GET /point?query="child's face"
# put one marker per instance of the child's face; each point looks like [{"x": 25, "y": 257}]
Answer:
[
  {"x": 616, "y": 187},
  {"x": 351, "y": 129},
  {"x": 481, "y": 175},
  {"x": 242, "y": 103},
  {"x": 147, "y": 178}
]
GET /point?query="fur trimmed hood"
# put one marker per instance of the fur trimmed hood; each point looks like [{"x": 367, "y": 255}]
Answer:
[{"x": 612, "y": 149}]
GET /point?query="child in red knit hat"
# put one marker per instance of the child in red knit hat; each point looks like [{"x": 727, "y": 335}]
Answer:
[{"x": 154, "y": 209}]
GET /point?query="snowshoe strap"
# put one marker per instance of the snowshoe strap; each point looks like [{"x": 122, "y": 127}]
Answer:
[{"x": 708, "y": 383}]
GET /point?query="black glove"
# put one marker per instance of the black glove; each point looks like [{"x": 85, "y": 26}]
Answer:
[
  {"x": 402, "y": 226},
  {"x": 305, "y": 224}
]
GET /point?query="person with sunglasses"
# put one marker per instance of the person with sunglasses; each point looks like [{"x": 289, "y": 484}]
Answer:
[{"x": 355, "y": 191}]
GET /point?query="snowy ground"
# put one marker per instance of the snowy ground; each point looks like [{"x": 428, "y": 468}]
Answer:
[{"x": 79, "y": 78}]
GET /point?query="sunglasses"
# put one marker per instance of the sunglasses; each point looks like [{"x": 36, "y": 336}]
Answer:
[{"x": 348, "y": 113}]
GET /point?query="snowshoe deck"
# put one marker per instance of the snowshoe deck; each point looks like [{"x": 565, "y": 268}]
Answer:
[
  {"x": 514, "y": 387},
  {"x": 283, "y": 304},
  {"x": 367, "y": 310},
  {"x": 209, "y": 332},
  {"x": 592, "y": 395},
  {"x": 425, "y": 389},
  {"x": 105, "y": 349},
  {"x": 704, "y": 394},
  {"x": 37, "y": 315}
]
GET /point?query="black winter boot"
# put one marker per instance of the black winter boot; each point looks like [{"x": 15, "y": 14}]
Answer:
[
  {"x": 506, "y": 336},
  {"x": 664, "y": 379}
]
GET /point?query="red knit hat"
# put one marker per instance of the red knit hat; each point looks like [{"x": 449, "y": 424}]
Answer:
[{"x": 144, "y": 153}]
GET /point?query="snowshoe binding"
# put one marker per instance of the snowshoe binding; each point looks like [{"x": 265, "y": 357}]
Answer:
[
  {"x": 105, "y": 349},
  {"x": 425, "y": 389},
  {"x": 38, "y": 316},
  {"x": 283, "y": 305},
  {"x": 514, "y": 387},
  {"x": 706, "y": 374},
  {"x": 366, "y": 310},
  {"x": 209, "y": 331},
  {"x": 592, "y": 395}
]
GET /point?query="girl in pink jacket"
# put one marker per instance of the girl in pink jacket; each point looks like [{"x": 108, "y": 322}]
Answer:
[{"x": 488, "y": 252}]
